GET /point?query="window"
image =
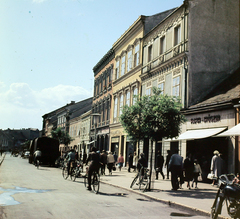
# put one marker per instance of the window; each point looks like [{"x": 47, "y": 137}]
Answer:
[
  {"x": 149, "y": 53},
  {"x": 127, "y": 98},
  {"x": 176, "y": 87},
  {"x": 177, "y": 35},
  {"x": 161, "y": 86},
  {"x": 162, "y": 45},
  {"x": 117, "y": 70},
  {"x": 121, "y": 104},
  {"x": 135, "y": 93},
  {"x": 123, "y": 65},
  {"x": 148, "y": 91},
  {"x": 136, "y": 56},
  {"x": 129, "y": 67},
  {"x": 115, "y": 108}
]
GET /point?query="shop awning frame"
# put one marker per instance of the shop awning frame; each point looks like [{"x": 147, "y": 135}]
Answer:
[
  {"x": 200, "y": 133},
  {"x": 234, "y": 131}
]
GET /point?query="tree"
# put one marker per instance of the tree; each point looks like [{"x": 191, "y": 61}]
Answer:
[
  {"x": 154, "y": 117},
  {"x": 62, "y": 136}
]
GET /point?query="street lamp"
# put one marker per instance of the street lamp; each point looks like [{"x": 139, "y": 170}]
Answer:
[{"x": 95, "y": 116}]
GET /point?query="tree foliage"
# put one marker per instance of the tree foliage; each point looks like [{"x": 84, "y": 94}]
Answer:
[
  {"x": 62, "y": 136},
  {"x": 154, "y": 117}
]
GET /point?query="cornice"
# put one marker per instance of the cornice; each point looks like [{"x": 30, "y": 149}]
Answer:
[{"x": 172, "y": 20}]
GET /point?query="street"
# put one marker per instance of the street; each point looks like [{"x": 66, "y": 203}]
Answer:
[{"x": 26, "y": 192}]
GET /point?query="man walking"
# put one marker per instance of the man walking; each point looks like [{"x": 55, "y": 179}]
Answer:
[
  {"x": 176, "y": 168},
  {"x": 159, "y": 165}
]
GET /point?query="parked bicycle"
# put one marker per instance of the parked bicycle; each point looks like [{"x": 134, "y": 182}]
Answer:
[
  {"x": 142, "y": 179},
  {"x": 95, "y": 180},
  {"x": 228, "y": 192}
]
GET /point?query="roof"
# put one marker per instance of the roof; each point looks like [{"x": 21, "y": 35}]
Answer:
[{"x": 227, "y": 91}]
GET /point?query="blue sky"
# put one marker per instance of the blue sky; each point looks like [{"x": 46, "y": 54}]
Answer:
[{"x": 48, "y": 49}]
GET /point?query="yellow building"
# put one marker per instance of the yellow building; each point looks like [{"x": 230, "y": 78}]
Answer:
[{"x": 126, "y": 78}]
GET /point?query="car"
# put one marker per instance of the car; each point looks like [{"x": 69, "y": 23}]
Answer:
[{"x": 27, "y": 154}]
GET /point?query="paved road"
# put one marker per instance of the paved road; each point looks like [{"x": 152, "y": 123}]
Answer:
[{"x": 26, "y": 192}]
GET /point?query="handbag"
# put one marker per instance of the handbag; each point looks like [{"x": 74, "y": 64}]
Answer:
[
  {"x": 114, "y": 168},
  {"x": 211, "y": 176},
  {"x": 200, "y": 177}
]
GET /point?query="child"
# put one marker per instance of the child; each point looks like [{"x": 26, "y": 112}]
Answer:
[
  {"x": 237, "y": 179},
  {"x": 197, "y": 171}
]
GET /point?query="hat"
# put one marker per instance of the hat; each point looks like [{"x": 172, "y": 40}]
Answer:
[{"x": 216, "y": 152}]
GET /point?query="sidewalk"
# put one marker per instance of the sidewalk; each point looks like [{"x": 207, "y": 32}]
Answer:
[{"x": 198, "y": 200}]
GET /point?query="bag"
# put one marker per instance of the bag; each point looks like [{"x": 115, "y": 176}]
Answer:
[
  {"x": 114, "y": 168},
  {"x": 211, "y": 176},
  {"x": 200, "y": 178}
]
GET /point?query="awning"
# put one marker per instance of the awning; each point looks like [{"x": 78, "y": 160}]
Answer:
[
  {"x": 231, "y": 132},
  {"x": 200, "y": 133}
]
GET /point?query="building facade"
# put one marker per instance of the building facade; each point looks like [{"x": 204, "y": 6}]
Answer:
[
  {"x": 126, "y": 78},
  {"x": 102, "y": 99},
  {"x": 188, "y": 57}
]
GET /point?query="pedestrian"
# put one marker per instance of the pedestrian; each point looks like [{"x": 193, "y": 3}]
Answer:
[
  {"x": 176, "y": 168},
  {"x": 84, "y": 157},
  {"x": 159, "y": 165},
  {"x": 197, "y": 171},
  {"x": 167, "y": 162},
  {"x": 216, "y": 166},
  {"x": 120, "y": 161},
  {"x": 94, "y": 158},
  {"x": 135, "y": 161},
  {"x": 130, "y": 162},
  {"x": 115, "y": 156},
  {"x": 188, "y": 167},
  {"x": 110, "y": 162},
  {"x": 103, "y": 160}
]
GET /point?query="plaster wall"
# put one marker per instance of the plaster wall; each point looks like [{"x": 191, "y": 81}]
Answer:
[{"x": 213, "y": 44}]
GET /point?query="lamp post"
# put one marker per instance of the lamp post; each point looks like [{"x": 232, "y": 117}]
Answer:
[{"x": 95, "y": 116}]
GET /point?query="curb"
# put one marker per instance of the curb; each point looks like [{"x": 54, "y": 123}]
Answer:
[{"x": 170, "y": 203}]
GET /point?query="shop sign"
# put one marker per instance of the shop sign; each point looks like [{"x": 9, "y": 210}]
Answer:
[
  {"x": 206, "y": 119},
  {"x": 115, "y": 139}
]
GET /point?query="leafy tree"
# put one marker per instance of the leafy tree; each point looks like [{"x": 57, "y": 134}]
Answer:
[
  {"x": 154, "y": 117},
  {"x": 62, "y": 136}
]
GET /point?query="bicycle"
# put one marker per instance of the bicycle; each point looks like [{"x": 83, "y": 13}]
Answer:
[
  {"x": 65, "y": 172},
  {"x": 144, "y": 179},
  {"x": 95, "y": 180},
  {"x": 76, "y": 172}
]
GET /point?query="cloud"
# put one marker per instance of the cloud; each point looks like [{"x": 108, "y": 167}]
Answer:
[{"x": 23, "y": 107}]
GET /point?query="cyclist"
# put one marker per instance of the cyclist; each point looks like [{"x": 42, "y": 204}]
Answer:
[
  {"x": 37, "y": 154},
  {"x": 142, "y": 162},
  {"x": 94, "y": 158},
  {"x": 70, "y": 159}
]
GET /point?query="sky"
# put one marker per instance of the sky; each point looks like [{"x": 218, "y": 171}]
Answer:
[{"x": 48, "y": 49}]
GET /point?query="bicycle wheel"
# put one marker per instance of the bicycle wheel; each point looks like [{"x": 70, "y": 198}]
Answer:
[
  {"x": 144, "y": 183},
  {"x": 65, "y": 172},
  {"x": 95, "y": 182},
  {"x": 134, "y": 181},
  {"x": 75, "y": 174}
]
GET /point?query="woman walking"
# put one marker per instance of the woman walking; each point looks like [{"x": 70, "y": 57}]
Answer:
[{"x": 197, "y": 171}]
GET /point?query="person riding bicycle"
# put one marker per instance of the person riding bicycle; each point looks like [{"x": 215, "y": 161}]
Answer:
[
  {"x": 70, "y": 159},
  {"x": 142, "y": 162},
  {"x": 94, "y": 158},
  {"x": 37, "y": 155}
]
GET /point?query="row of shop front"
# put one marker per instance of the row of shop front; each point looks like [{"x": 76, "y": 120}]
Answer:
[{"x": 203, "y": 133}]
